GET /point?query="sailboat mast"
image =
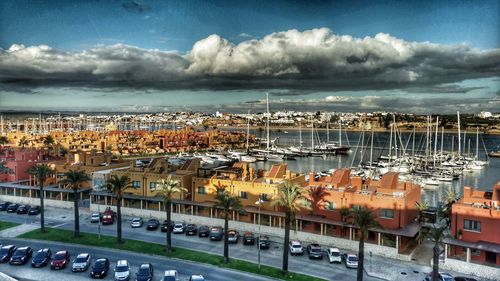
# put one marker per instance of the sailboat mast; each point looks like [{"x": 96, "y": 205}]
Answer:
[
  {"x": 459, "y": 148},
  {"x": 436, "y": 141},
  {"x": 248, "y": 130},
  {"x": 300, "y": 134},
  {"x": 413, "y": 145},
  {"x": 477, "y": 143},
  {"x": 267, "y": 124},
  {"x": 327, "y": 132},
  {"x": 442, "y": 140},
  {"x": 371, "y": 150},
  {"x": 312, "y": 135},
  {"x": 340, "y": 131}
]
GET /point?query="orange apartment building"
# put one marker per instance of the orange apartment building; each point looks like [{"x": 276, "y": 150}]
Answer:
[
  {"x": 475, "y": 227},
  {"x": 392, "y": 201},
  {"x": 19, "y": 160}
]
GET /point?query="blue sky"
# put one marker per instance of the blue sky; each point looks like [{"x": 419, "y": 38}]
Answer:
[{"x": 165, "y": 55}]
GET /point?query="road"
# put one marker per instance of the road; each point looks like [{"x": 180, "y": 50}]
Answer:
[
  {"x": 160, "y": 264},
  {"x": 272, "y": 257}
]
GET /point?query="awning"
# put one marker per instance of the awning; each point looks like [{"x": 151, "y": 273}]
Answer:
[{"x": 480, "y": 245}]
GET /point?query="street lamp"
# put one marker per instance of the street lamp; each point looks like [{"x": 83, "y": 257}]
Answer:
[{"x": 259, "y": 202}]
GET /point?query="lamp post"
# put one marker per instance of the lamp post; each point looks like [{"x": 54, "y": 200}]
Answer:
[{"x": 259, "y": 202}]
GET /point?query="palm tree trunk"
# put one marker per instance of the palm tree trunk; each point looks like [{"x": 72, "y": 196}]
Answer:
[
  {"x": 226, "y": 241},
  {"x": 361, "y": 257},
  {"x": 42, "y": 209},
  {"x": 77, "y": 215},
  {"x": 119, "y": 220},
  {"x": 286, "y": 242},
  {"x": 168, "y": 208},
  {"x": 435, "y": 262}
]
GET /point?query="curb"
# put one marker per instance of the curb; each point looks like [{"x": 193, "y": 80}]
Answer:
[{"x": 375, "y": 275}]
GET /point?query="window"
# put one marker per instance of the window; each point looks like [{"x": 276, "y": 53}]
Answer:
[
  {"x": 475, "y": 252},
  {"x": 243, "y": 195},
  {"x": 387, "y": 213},
  {"x": 263, "y": 197},
  {"x": 330, "y": 206},
  {"x": 201, "y": 190},
  {"x": 472, "y": 225},
  {"x": 153, "y": 185},
  {"x": 136, "y": 184}
]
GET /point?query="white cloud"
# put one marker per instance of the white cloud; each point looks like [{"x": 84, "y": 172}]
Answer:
[{"x": 311, "y": 59}]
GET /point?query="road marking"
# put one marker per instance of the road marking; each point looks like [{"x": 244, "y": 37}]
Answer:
[{"x": 62, "y": 224}]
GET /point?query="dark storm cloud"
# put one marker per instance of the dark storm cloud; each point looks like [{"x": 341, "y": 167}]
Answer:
[
  {"x": 136, "y": 6},
  {"x": 305, "y": 61}
]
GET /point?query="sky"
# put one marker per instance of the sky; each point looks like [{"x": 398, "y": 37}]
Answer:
[{"x": 141, "y": 56}]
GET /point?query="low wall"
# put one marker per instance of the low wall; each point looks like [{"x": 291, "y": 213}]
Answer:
[
  {"x": 350, "y": 245},
  {"x": 5, "y": 277},
  {"x": 482, "y": 271},
  {"x": 36, "y": 201}
]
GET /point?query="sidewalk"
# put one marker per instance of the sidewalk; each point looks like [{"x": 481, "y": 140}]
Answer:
[{"x": 18, "y": 230}]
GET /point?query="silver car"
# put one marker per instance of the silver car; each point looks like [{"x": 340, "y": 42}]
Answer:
[
  {"x": 122, "y": 270},
  {"x": 81, "y": 263},
  {"x": 136, "y": 222},
  {"x": 351, "y": 260}
]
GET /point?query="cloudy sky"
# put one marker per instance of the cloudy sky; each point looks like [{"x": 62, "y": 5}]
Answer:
[{"x": 424, "y": 57}]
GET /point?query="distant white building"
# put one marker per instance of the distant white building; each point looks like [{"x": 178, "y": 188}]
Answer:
[{"x": 485, "y": 114}]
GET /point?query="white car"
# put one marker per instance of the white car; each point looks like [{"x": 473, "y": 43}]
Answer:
[
  {"x": 296, "y": 247},
  {"x": 170, "y": 275},
  {"x": 81, "y": 263},
  {"x": 178, "y": 228},
  {"x": 196, "y": 277},
  {"x": 351, "y": 260},
  {"x": 136, "y": 222},
  {"x": 334, "y": 255},
  {"x": 122, "y": 270},
  {"x": 95, "y": 217}
]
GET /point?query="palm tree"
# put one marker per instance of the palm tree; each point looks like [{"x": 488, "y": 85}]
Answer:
[
  {"x": 23, "y": 142},
  {"x": 41, "y": 172},
  {"x": 364, "y": 219},
  {"x": 437, "y": 235},
  {"x": 166, "y": 189},
  {"x": 74, "y": 179},
  {"x": 4, "y": 169},
  {"x": 290, "y": 198},
  {"x": 117, "y": 185},
  {"x": 450, "y": 197},
  {"x": 4, "y": 140},
  {"x": 227, "y": 203},
  {"x": 316, "y": 195},
  {"x": 344, "y": 213}
]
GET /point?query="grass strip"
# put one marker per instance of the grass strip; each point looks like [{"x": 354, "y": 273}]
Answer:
[
  {"x": 67, "y": 236},
  {"x": 7, "y": 224}
]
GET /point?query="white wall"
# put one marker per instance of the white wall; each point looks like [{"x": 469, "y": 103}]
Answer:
[
  {"x": 267, "y": 230},
  {"x": 36, "y": 201}
]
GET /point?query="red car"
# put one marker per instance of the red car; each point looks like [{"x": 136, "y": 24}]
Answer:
[{"x": 60, "y": 260}]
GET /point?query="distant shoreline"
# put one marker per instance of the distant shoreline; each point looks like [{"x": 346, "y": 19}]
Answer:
[{"x": 376, "y": 130}]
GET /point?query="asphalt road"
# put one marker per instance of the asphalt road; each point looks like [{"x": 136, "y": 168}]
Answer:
[
  {"x": 272, "y": 256},
  {"x": 184, "y": 268}
]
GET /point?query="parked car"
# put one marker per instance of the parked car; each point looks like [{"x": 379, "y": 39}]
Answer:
[
  {"x": 164, "y": 226},
  {"x": 60, "y": 260},
  {"x": 351, "y": 260},
  {"x": 136, "y": 222},
  {"x": 81, "y": 263},
  {"x": 463, "y": 278},
  {"x": 152, "y": 224},
  {"x": 216, "y": 233},
  {"x": 264, "y": 242},
  {"x": 334, "y": 255},
  {"x": 191, "y": 229},
  {"x": 4, "y": 205},
  {"x": 41, "y": 258},
  {"x": 443, "y": 276},
  {"x": 170, "y": 275},
  {"x": 100, "y": 268},
  {"x": 233, "y": 236},
  {"x": 296, "y": 247},
  {"x": 248, "y": 238},
  {"x": 197, "y": 277},
  {"x": 178, "y": 228},
  {"x": 203, "y": 231},
  {"x": 314, "y": 251},
  {"x": 145, "y": 272},
  {"x": 21, "y": 255},
  {"x": 108, "y": 217},
  {"x": 23, "y": 209},
  {"x": 95, "y": 218},
  {"x": 6, "y": 253},
  {"x": 122, "y": 270},
  {"x": 35, "y": 210},
  {"x": 12, "y": 208}
]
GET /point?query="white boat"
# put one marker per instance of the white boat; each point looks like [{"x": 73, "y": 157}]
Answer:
[{"x": 248, "y": 158}]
